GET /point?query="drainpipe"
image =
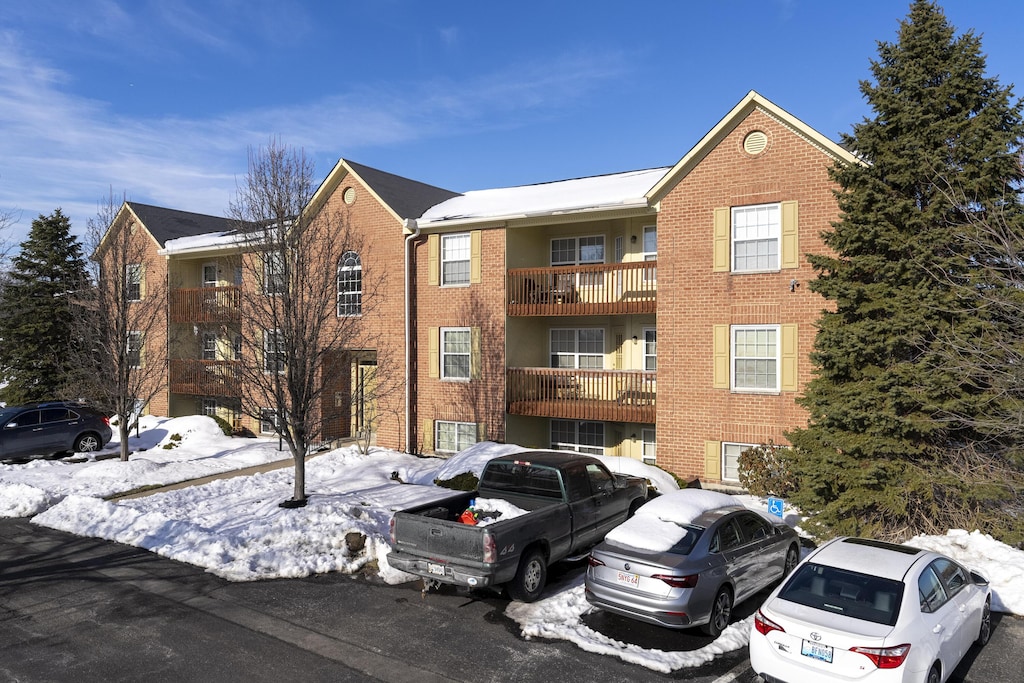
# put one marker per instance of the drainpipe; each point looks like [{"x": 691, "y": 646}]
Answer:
[{"x": 410, "y": 224}]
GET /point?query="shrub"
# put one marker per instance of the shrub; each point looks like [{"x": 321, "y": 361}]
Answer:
[
  {"x": 467, "y": 481},
  {"x": 224, "y": 425},
  {"x": 763, "y": 471}
]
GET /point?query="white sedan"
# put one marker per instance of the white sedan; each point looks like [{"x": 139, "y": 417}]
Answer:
[{"x": 873, "y": 612}]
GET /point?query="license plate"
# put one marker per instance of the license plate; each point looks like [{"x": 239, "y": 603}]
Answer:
[
  {"x": 631, "y": 580},
  {"x": 815, "y": 651},
  {"x": 436, "y": 569}
]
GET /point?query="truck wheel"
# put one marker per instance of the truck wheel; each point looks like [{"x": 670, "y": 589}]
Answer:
[{"x": 530, "y": 578}]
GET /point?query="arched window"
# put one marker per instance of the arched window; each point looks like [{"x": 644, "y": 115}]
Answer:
[{"x": 350, "y": 284}]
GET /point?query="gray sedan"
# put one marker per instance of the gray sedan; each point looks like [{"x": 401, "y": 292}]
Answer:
[{"x": 686, "y": 558}]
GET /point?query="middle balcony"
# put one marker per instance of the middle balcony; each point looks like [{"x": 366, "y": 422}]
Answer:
[{"x": 598, "y": 289}]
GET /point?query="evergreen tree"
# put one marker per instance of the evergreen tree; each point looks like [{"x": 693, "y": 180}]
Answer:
[
  {"x": 38, "y": 356},
  {"x": 893, "y": 446}
]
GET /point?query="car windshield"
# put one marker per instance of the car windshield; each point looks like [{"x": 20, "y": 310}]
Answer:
[
  {"x": 7, "y": 413},
  {"x": 840, "y": 591}
]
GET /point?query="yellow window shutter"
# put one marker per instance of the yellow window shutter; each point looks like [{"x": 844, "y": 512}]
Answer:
[
  {"x": 721, "y": 357},
  {"x": 142, "y": 281},
  {"x": 475, "y": 240},
  {"x": 713, "y": 459},
  {"x": 723, "y": 232},
  {"x": 428, "y": 436},
  {"x": 481, "y": 431},
  {"x": 474, "y": 353},
  {"x": 789, "y": 358},
  {"x": 790, "y": 235},
  {"x": 434, "y": 361},
  {"x": 434, "y": 259}
]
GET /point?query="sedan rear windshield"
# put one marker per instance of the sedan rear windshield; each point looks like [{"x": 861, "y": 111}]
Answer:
[{"x": 839, "y": 591}]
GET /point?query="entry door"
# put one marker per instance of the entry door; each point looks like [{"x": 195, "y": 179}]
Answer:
[{"x": 365, "y": 390}]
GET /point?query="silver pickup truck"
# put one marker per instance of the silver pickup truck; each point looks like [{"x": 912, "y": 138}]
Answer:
[{"x": 571, "y": 502}]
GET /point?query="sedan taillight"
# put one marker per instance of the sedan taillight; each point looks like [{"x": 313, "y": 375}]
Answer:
[
  {"x": 594, "y": 562},
  {"x": 677, "y": 581},
  {"x": 764, "y": 625},
  {"x": 885, "y": 657}
]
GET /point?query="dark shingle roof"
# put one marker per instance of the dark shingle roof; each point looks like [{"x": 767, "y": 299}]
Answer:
[
  {"x": 168, "y": 224},
  {"x": 407, "y": 198}
]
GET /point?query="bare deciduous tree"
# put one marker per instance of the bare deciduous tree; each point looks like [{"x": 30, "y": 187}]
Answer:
[
  {"x": 124, "y": 319},
  {"x": 305, "y": 295}
]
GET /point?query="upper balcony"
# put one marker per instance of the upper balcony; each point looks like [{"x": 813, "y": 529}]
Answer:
[
  {"x": 612, "y": 395},
  {"x": 598, "y": 289},
  {"x": 204, "y": 305},
  {"x": 204, "y": 377}
]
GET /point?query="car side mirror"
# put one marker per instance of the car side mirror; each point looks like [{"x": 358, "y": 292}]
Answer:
[{"x": 978, "y": 579}]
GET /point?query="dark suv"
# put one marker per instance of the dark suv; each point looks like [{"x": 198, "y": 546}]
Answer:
[{"x": 46, "y": 428}]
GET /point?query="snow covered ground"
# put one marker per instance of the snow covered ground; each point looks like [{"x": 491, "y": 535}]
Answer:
[{"x": 234, "y": 527}]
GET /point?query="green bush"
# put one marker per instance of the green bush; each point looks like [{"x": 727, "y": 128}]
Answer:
[
  {"x": 467, "y": 481},
  {"x": 763, "y": 471},
  {"x": 224, "y": 425}
]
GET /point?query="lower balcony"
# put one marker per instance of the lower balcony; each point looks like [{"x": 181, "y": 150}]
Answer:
[
  {"x": 607, "y": 395},
  {"x": 204, "y": 377}
]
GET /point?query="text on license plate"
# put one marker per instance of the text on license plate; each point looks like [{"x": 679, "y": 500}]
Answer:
[
  {"x": 627, "y": 579},
  {"x": 816, "y": 651},
  {"x": 434, "y": 568}
]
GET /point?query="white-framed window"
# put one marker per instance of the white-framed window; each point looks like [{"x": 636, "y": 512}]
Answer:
[
  {"x": 133, "y": 349},
  {"x": 236, "y": 347},
  {"x": 350, "y": 285},
  {"x": 576, "y": 251},
  {"x": 650, "y": 446},
  {"x": 268, "y": 421},
  {"x": 456, "y": 347},
  {"x": 731, "y": 460},
  {"x": 650, "y": 349},
  {"x": 273, "y": 351},
  {"x": 577, "y": 348},
  {"x": 579, "y": 436},
  {"x": 275, "y": 279},
  {"x": 755, "y": 358},
  {"x": 210, "y": 275},
  {"x": 133, "y": 282},
  {"x": 452, "y": 437},
  {"x": 756, "y": 233},
  {"x": 209, "y": 346},
  {"x": 455, "y": 258},
  {"x": 210, "y": 407},
  {"x": 650, "y": 250}
]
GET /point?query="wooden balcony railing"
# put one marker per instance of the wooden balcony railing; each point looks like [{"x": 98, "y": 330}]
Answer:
[
  {"x": 204, "y": 305},
  {"x": 204, "y": 377},
  {"x": 614, "y": 395},
  {"x": 599, "y": 289}
]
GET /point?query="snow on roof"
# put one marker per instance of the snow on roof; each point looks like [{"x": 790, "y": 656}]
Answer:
[
  {"x": 205, "y": 241},
  {"x": 606, "y": 191}
]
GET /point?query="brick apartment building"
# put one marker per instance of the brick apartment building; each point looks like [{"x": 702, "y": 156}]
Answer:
[{"x": 660, "y": 314}]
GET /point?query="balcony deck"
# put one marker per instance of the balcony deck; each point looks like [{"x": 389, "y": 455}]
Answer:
[
  {"x": 204, "y": 305},
  {"x": 196, "y": 377},
  {"x": 599, "y": 289},
  {"x": 606, "y": 395}
]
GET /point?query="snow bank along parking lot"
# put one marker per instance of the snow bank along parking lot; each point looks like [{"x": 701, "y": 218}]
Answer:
[{"x": 234, "y": 527}]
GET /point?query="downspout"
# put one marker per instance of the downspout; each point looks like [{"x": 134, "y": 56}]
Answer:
[{"x": 410, "y": 224}]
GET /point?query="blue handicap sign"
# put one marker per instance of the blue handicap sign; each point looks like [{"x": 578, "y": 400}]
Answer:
[{"x": 776, "y": 506}]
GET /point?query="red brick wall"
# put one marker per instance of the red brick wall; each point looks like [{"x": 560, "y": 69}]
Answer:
[{"x": 692, "y": 298}]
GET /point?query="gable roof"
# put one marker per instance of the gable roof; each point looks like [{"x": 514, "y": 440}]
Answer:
[
  {"x": 740, "y": 112},
  {"x": 407, "y": 198},
  {"x": 168, "y": 224},
  {"x": 614, "y": 191}
]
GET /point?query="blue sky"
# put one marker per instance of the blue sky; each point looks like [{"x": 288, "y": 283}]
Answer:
[{"x": 161, "y": 99}]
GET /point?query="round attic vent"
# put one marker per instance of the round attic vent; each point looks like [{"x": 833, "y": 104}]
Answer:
[
  {"x": 755, "y": 142},
  {"x": 349, "y": 195}
]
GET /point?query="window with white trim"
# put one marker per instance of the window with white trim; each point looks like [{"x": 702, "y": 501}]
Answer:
[
  {"x": 650, "y": 446},
  {"x": 210, "y": 407},
  {"x": 350, "y": 285},
  {"x": 577, "y": 348},
  {"x": 133, "y": 282},
  {"x": 756, "y": 233},
  {"x": 133, "y": 349},
  {"x": 455, "y": 259},
  {"x": 650, "y": 349},
  {"x": 456, "y": 346},
  {"x": 579, "y": 436},
  {"x": 274, "y": 356},
  {"x": 576, "y": 251},
  {"x": 452, "y": 437},
  {"x": 236, "y": 347},
  {"x": 731, "y": 460},
  {"x": 268, "y": 421},
  {"x": 209, "y": 346},
  {"x": 210, "y": 275},
  {"x": 274, "y": 276},
  {"x": 755, "y": 358}
]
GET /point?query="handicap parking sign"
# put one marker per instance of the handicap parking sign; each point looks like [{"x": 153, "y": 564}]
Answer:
[{"x": 776, "y": 506}]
